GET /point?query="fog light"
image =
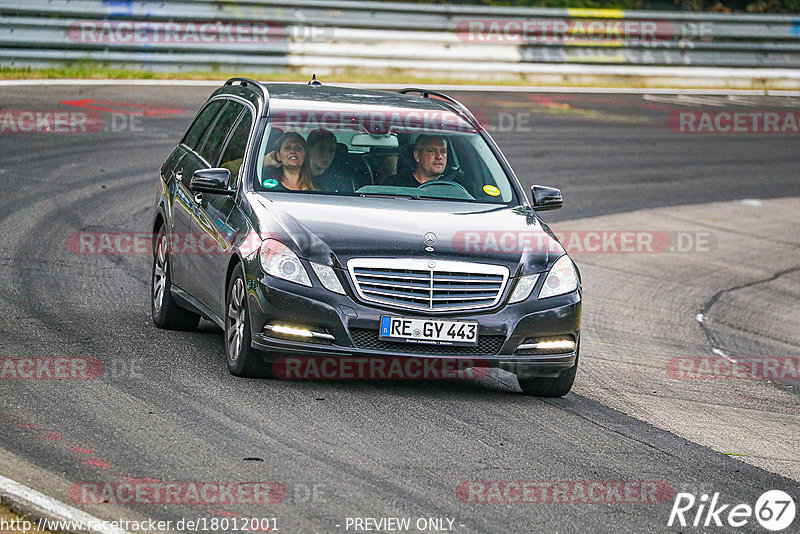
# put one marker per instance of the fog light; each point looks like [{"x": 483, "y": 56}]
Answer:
[
  {"x": 289, "y": 330},
  {"x": 547, "y": 345},
  {"x": 286, "y": 331}
]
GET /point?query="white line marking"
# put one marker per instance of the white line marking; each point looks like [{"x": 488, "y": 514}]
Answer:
[
  {"x": 775, "y": 92},
  {"x": 721, "y": 353},
  {"x": 751, "y": 202},
  {"x": 55, "y": 508},
  {"x": 558, "y": 89},
  {"x": 688, "y": 100},
  {"x": 770, "y": 100},
  {"x": 725, "y": 100},
  {"x": 444, "y": 87},
  {"x": 703, "y": 101},
  {"x": 199, "y": 83},
  {"x": 744, "y": 100}
]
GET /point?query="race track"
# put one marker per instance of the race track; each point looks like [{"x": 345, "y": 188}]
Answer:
[{"x": 166, "y": 409}]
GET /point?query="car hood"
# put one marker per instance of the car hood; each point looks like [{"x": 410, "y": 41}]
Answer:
[{"x": 335, "y": 229}]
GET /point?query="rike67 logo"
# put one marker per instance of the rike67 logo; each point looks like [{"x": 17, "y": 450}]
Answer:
[{"x": 774, "y": 510}]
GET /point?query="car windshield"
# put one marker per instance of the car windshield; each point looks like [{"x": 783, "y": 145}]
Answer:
[{"x": 426, "y": 156}]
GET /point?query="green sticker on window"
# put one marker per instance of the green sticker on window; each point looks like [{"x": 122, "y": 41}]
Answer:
[{"x": 271, "y": 182}]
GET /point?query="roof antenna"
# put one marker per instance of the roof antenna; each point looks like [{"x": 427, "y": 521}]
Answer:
[{"x": 314, "y": 81}]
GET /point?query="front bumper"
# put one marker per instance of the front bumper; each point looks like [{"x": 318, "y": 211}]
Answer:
[{"x": 354, "y": 327}]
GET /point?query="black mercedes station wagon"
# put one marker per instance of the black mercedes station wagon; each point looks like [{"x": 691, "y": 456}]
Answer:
[{"x": 311, "y": 221}]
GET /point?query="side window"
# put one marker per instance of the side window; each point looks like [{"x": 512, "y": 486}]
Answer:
[
  {"x": 170, "y": 163},
  {"x": 201, "y": 123},
  {"x": 219, "y": 133},
  {"x": 233, "y": 156}
]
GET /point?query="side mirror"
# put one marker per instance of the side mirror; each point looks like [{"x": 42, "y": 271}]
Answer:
[
  {"x": 546, "y": 198},
  {"x": 211, "y": 181}
]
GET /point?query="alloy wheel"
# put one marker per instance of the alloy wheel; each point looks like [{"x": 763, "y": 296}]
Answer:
[
  {"x": 236, "y": 318},
  {"x": 160, "y": 274}
]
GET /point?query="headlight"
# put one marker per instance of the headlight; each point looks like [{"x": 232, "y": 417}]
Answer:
[
  {"x": 328, "y": 278},
  {"x": 524, "y": 287},
  {"x": 278, "y": 260},
  {"x": 561, "y": 279}
]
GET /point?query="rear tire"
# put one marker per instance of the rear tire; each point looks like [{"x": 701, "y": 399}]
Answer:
[
  {"x": 165, "y": 311},
  {"x": 242, "y": 359},
  {"x": 550, "y": 387}
]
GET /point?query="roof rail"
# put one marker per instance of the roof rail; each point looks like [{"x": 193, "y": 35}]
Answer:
[
  {"x": 257, "y": 86},
  {"x": 457, "y": 106}
]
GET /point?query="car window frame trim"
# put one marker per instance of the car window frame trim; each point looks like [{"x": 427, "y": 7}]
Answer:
[
  {"x": 227, "y": 140},
  {"x": 213, "y": 121},
  {"x": 247, "y": 144}
]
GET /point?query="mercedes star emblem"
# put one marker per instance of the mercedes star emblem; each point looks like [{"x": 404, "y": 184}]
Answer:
[{"x": 429, "y": 239}]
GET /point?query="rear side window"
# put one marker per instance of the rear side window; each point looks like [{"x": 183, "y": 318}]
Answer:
[
  {"x": 233, "y": 156},
  {"x": 219, "y": 132},
  {"x": 194, "y": 136}
]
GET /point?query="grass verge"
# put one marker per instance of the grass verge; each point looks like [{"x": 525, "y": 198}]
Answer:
[{"x": 9, "y": 518}]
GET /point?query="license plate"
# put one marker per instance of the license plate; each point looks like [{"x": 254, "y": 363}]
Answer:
[{"x": 428, "y": 331}]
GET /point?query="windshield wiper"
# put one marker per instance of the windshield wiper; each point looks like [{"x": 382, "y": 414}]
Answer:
[{"x": 390, "y": 195}]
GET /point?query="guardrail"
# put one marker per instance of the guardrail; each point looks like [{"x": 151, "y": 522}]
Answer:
[{"x": 259, "y": 35}]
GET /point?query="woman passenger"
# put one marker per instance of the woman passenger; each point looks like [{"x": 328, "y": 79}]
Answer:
[{"x": 291, "y": 170}]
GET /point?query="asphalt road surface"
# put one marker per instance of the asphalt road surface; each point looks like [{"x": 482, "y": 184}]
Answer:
[{"x": 166, "y": 410}]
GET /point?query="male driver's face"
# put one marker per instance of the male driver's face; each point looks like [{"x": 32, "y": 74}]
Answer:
[{"x": 431, "y": 158}]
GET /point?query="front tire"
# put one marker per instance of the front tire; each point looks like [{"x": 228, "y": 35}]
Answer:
[
  {"x": 165, "y": 311},
  {"x": 550, "y": 387},
  {"x": 242, "y": 359}
]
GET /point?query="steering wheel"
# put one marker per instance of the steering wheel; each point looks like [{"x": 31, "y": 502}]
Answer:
[
  {"x": 446, "y": 183},
  {"x": 453, "y": 175}
]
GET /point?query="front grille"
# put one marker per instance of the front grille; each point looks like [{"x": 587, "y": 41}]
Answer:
[
  {"x": 365, "y": 338},
  {"x": 427, "y": 284}
]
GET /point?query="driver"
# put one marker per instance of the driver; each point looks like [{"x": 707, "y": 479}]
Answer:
[{"x": 430, "y": 154}]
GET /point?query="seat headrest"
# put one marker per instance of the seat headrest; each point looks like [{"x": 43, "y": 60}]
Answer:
[{"x": 405, "y": 160}]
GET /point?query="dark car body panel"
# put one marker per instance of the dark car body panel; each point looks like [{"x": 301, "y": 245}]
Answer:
[{"x": 376, "y": 227}]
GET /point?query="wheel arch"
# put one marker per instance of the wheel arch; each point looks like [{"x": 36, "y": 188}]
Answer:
[
  {"x": 158, "y": 222},
  {"x": 232, "y": 264}
]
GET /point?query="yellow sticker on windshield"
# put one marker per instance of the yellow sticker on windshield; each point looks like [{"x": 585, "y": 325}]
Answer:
[{"x": 491, "y": 190}]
